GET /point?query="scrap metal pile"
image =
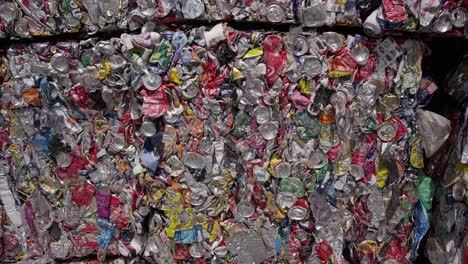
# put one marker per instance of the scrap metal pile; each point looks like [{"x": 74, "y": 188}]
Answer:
[
  {"x": 33, "y": 18},
  {"x": 214, "y": 145}
]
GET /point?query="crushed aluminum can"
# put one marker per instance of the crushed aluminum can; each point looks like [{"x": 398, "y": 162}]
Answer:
[
  {"x": 333, "y": 41},
  {"x": 283, "y": 170},
  {"x": 312, "y": 66},
  {"x": 285, "y": 199},
  {"x": 443, "y": 23},
  {"x": 297, "y": 213},
  {"x": 459, "y": 17},
  {"x": 64, "y": 160}
]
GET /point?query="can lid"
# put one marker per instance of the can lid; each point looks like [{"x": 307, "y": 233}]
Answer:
[
  {"x": 459, "y": 17},
  {"x": 90, "y": 76},
  {"x": 106, "y": 48},
  {"x": 152, "y": 81},
  {"x": 217, "y": 185},
  {"x": 297, "y": 213},
  {"x": 300, "y": 46},
  {"x": 59, "y": 63},
  {"x": 318, "y": 159},
  {"x": 371, "y": 25},
  {"x": 198, "y": 193},
  {"x": 333, "y": 41},
  {"x": 196, "y": 199},
  {"x": 283, "y": 169},
  {"x": 118, "y": 143},
  {"x": 458, "y": 191},
  {"x": 275, "y": 13},
  {"x": 64, "y": 160},
  {"x": 190, "y": 91},
  {"x": 171, "y": 117},
  {"x": 313, "y": 109},
  {"x": 261, "y": 114},
  {"x": 8, "y": 11},
  {"x": 196, "y": 251},
  {"x": 135, "y": 110},
  {"x": 312, "y": 66},
  {"x": 117, "y": 61},
  {"x": 245, "y": 209},
  {"x": 285, "y": 199},
  {"x": 148, "y": 129},
  {"x": 268, "y": 130},
  {"x": 357, "y": 171},
  {"x": 386, "y": 132},
  {"x": 220, "y": 251},
  {"x": 193, "y": 9},
  {"x": 361, "y": 54}
]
